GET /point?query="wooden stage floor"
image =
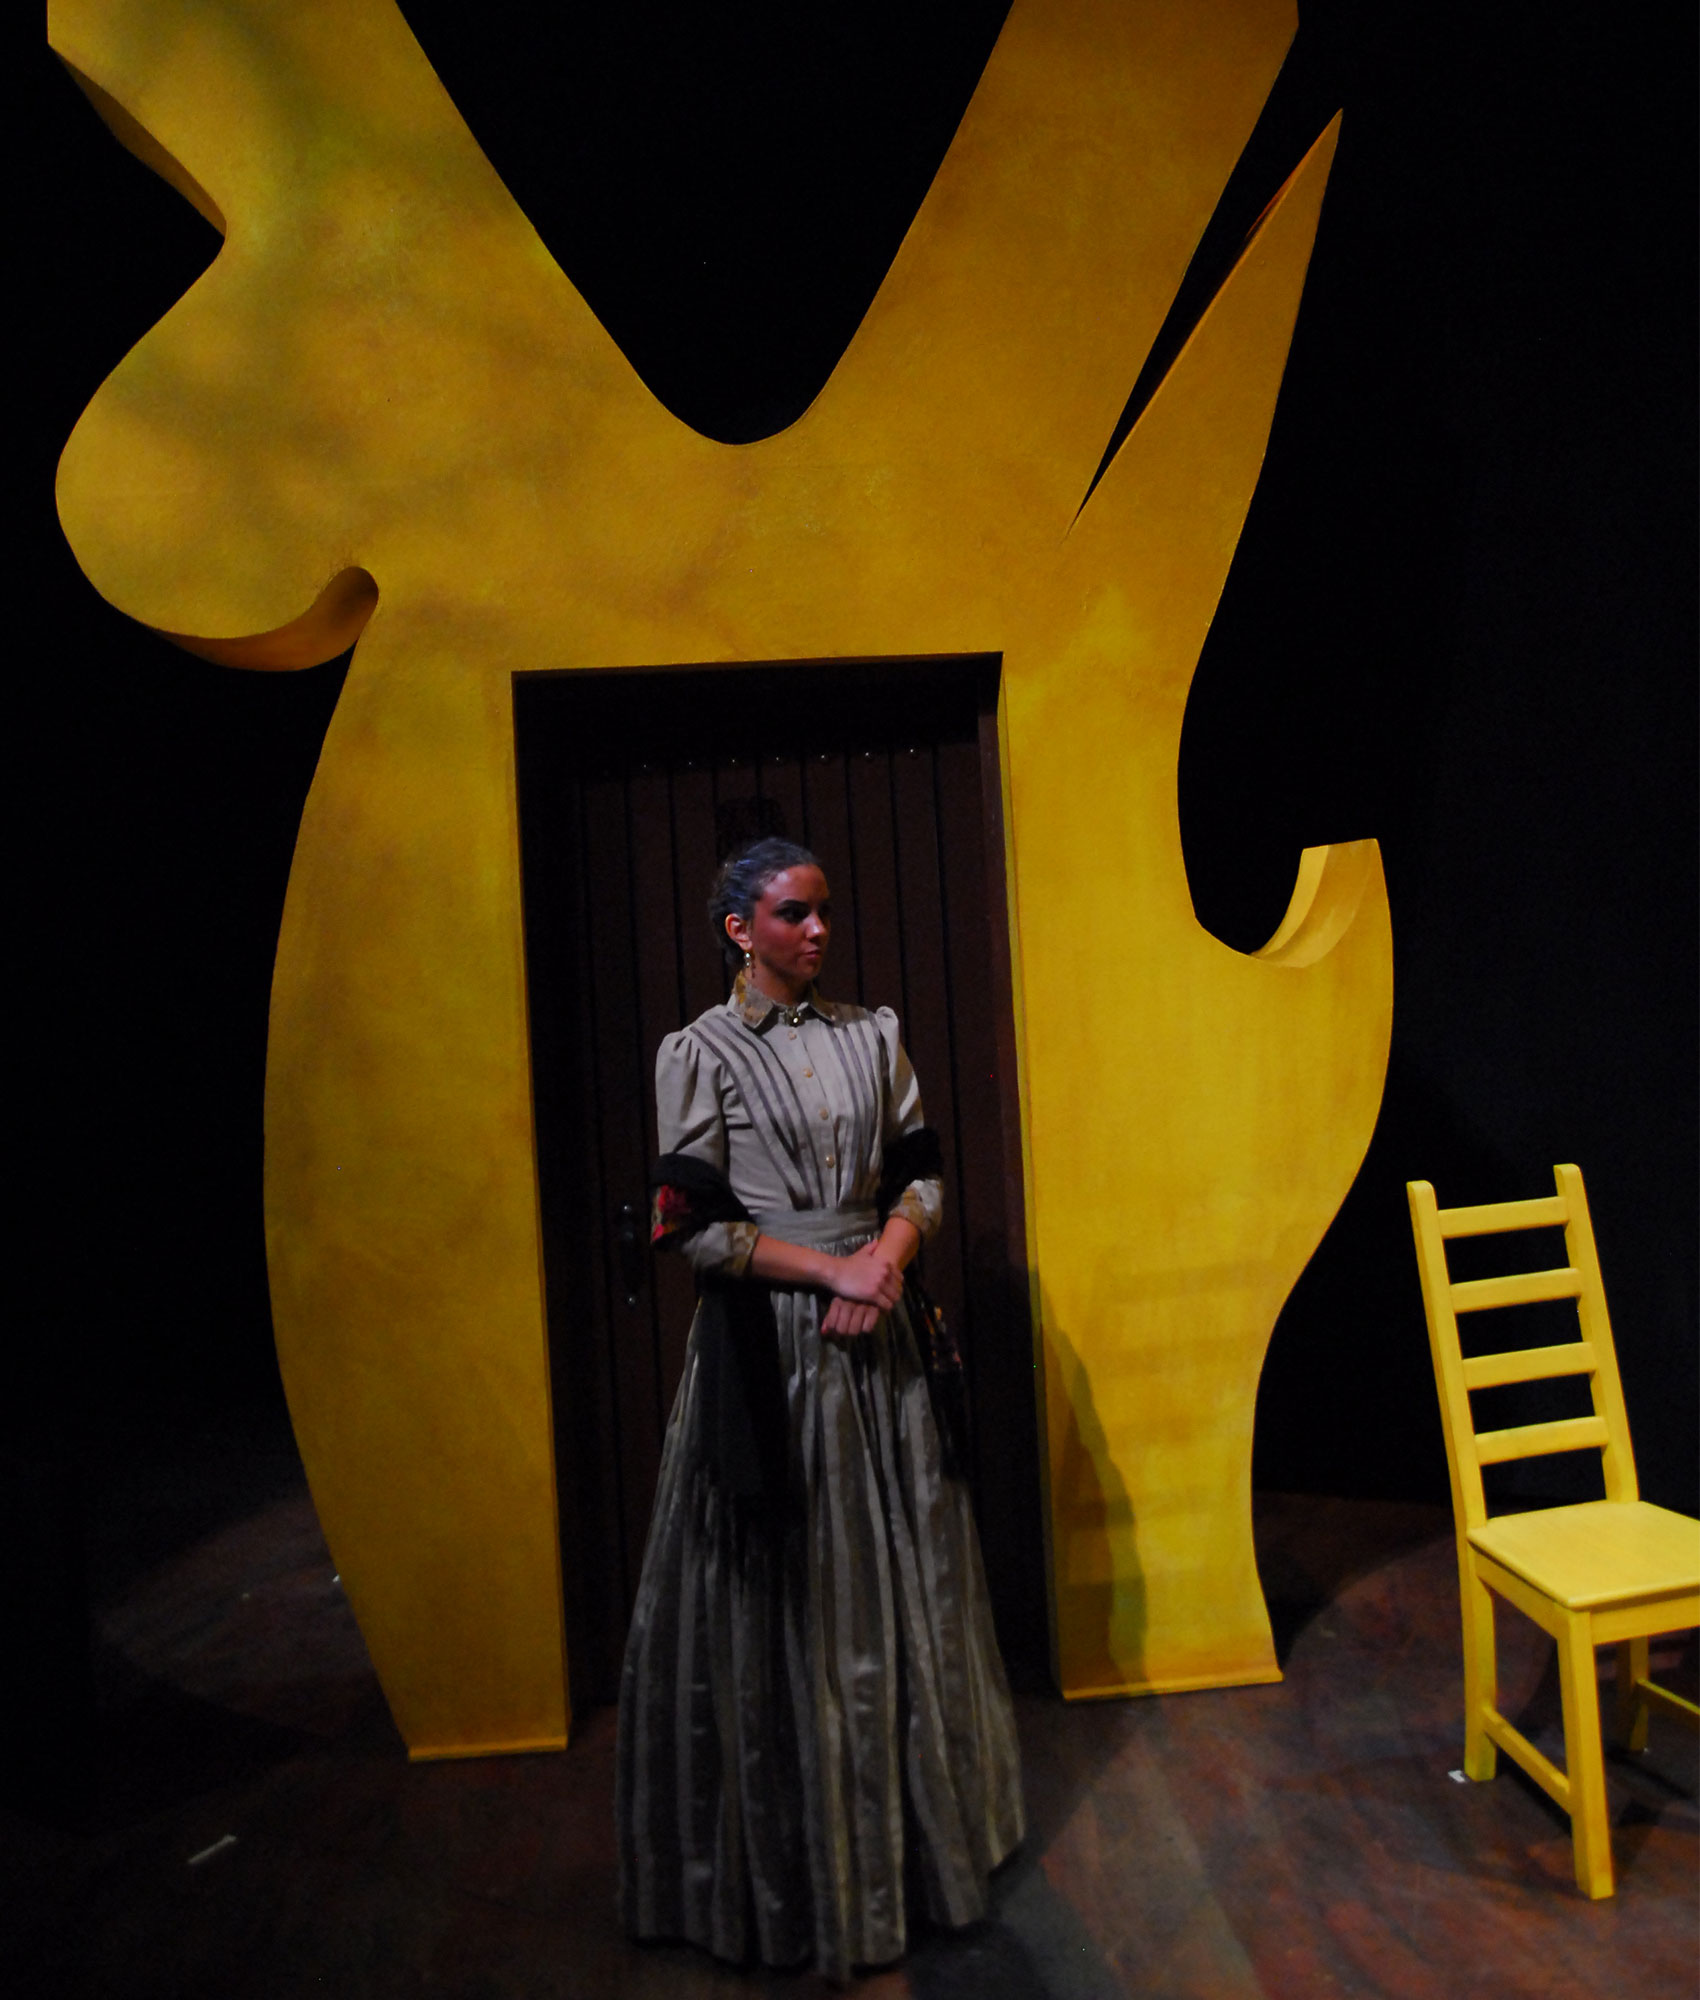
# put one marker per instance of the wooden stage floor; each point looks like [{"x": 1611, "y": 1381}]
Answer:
[{"x": 1300, "y": 1840}]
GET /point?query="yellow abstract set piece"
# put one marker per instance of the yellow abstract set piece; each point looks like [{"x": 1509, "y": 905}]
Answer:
[{"x": 383, "y": 411}]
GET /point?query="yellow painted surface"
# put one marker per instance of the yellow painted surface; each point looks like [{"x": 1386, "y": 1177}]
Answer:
[
  {"x": 1597, "y": 1553},
  {"x": 384, "y": 390},
  {"x": 1608, "y": 1572}
]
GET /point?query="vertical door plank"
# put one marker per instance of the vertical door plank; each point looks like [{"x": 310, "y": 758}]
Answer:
[
  {"x": 1026, "y": 1584},
  {"x": 978, "y": 1122},
  {"x": 874, "y": 857},
  {"x": 620, "y": 1092},
  {"x": 929, "y": 1021},
  {"x": 995, "y": 903},
  {"x": 1002, "y": 1361},
  {"x": 657, "y": 924},
  {"x": 827, "y": 817},
  {"x": 701, "y": 986},
  {"x": 737, "y": 808},
  {"x": 655, "y": 913},
  {"x": 569, "y": 1186},
  {"x": 694, "y": 863},
  {"x": 979, "y": 1128},
  {"x": 781, "y": 780},
  {"x": 738, "y": 816}
]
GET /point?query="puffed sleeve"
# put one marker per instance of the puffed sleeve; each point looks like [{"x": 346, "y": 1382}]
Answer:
[
  {"x": 690, "y": 1112},
  {"x": 922, "y": 1201}
]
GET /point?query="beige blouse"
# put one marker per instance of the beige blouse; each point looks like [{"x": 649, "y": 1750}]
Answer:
[{"x": 794, "y": 1107}]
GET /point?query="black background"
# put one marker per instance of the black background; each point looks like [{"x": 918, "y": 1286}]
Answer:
[{"x": 1461, "y": 620}]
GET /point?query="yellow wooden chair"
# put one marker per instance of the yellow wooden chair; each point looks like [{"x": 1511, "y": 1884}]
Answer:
[{"x": 1611, "y": 1571}]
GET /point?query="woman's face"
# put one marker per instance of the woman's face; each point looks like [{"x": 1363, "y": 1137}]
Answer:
[{"x": 788, "y": 932}]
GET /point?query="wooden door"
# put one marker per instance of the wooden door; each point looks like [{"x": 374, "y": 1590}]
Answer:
[{"x": 632, "y": 787}]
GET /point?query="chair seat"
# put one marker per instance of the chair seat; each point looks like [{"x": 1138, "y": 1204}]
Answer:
[{"x": 1599, "y": 1553}]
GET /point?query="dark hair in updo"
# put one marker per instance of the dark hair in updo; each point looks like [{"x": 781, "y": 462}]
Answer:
[{"x": 742, "y": 879}]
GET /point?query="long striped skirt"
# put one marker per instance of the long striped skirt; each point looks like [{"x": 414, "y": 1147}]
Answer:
[{"x": 816, "y": 1739}]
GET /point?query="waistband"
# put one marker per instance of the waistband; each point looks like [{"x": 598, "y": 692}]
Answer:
[{"x": 819, "y": 1228}]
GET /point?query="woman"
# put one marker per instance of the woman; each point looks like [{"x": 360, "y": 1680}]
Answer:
[{"x": 816, "y": 1738}]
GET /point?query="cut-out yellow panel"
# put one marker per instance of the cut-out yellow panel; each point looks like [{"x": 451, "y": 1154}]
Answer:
[{"x": 384, "y": 407}]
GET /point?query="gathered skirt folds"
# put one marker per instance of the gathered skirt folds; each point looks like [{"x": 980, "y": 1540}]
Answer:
[{"x": 816, "y": 1737}]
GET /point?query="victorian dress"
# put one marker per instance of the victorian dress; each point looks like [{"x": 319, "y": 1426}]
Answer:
[{"x": 816, "y": 1742}]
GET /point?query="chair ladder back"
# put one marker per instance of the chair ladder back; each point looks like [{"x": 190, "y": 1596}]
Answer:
[
  {"x": 1593, "y": 1355},
  {"x": 1617, "y": 1455},
  {"x": 1468, "y": 1501}
]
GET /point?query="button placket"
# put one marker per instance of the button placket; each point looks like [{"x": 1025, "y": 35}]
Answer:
[{"x": 825, "y": 1144}]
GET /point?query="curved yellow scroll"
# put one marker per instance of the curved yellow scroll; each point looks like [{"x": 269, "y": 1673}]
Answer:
[{"x": 383, "y": 376}]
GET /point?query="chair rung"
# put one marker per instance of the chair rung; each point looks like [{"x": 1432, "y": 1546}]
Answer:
[
  {"x": 1535, "y": 1440},
  {"x": 1671, "y": 1703},
  {"x": 1529, "y": 1364},
  {"x": 1521, "y": 1288},
  {"x": 1516, "y": 1745},
  {"x": 1547, "y": 1212}
]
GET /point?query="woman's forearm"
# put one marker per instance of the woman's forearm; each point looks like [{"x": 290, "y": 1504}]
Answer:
[
  {"x": 900, "y": 1240},
  {"x": 783, "y": 1263}
]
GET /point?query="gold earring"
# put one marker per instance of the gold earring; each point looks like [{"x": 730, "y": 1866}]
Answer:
[{"x": 749, "y": 962}]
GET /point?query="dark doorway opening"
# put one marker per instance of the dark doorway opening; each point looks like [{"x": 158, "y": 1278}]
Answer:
[{"x": 632, "y": 785}]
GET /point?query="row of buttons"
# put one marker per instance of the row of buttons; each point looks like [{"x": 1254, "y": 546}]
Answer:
[{"x": 792, "y": 1035}]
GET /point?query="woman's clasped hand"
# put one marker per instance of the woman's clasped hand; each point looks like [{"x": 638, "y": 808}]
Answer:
[{"x": 867, "y": 1283}]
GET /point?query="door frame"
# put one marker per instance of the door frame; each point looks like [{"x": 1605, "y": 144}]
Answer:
[{"x": 935, "y": 692}]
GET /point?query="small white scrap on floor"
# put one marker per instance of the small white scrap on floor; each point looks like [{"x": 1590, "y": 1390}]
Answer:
[
  {"x": 1458, "y": 1777},
  {"x": 207, "y": 1853}
]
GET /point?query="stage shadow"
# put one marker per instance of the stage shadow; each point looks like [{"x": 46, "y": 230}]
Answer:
[
  {"x": 1032, "y": 1945},
  {"x": 1311, "y": 1548},
  {"x": 1098, "y": 1580}
]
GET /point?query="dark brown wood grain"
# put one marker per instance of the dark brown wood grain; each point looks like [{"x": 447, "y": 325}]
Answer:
[
  {"x": 563, "y": 1070},
  {"x": 623, "y": 1151},
  {"x": 662, "y": 910},
  {"x": 1268, "y": 1843},
  {"x": 873, "y": 856},
  {"x": 780, "y": 781},
  {"x": 928, "y": 1019},
  {"x": 826, "y": 807}
]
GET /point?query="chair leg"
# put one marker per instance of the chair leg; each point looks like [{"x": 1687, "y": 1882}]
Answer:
[
  {"x": 1631, "y": 1715},
  {"x": 1481, "y": 1673},
  {"x": 1590, "y": 1827}
]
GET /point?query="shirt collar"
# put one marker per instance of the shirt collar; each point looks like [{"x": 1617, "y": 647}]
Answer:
[{"x": 757, "y": 1011}]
